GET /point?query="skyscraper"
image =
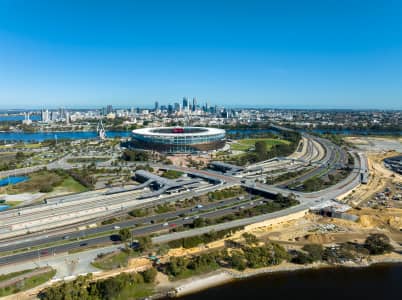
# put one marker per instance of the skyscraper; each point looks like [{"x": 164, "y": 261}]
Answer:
[
  {"x": 185, "y": 104},
  {"x": 170, "y": 108},
  {"x": 194, "y": 104},
  {"x": 45, "y": 115},
  {"x": 156, "y": 105},
  {"x": 61, "y": 112}
]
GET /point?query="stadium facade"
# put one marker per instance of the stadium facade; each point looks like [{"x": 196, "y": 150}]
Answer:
[{"x": 178, "y": 139}]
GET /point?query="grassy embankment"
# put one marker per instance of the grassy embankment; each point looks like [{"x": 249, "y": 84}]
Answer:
[
  {"x": 246, "y": 144},
  {"x": 24, "y": 280},
  {"x": 114, "y": 260},
  {"x": 46, "y": 182}
]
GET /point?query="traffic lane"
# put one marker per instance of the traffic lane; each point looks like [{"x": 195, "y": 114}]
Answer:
[
  {"x": 37, "y": 254},
  {"x": 150, "y": 204},
  {"x": 231, "y": 224},
  {"x": 123, "y": 224}
]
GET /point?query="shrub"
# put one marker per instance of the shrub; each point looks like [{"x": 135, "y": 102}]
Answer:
[{"x": 378, "y": 244}]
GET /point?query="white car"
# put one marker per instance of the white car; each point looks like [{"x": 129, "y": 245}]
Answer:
[{"x": 165, "y": 224}]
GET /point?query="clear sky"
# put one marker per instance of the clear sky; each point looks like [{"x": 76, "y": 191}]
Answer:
[{"x": 301, "y": 53}]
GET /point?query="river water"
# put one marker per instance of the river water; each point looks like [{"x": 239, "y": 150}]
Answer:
[
  {"x": 68, "y": 135},
  {"x": 376, "y": 282},
  {"x": 12, "y": 180}
]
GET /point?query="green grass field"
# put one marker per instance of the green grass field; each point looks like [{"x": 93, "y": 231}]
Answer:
[
  {"x": 71, "y": 186},
  {"x": 39, "y": 180},
  {"x": 136, "y": 291},
  {"x": 20, "y": 146},
  {"x": 113, "y": 260},
  {"x": 25, "y": 284},
  {"x": 245, "y": 144}
]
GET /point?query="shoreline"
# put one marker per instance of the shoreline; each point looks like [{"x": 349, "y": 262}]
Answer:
[{"x": 223, "y": 276}]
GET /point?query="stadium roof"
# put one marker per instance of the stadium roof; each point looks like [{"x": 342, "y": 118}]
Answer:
[{"x": 205, "y": 131}]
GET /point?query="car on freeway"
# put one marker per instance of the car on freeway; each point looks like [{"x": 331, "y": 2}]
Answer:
[
  {"x": 44, "y": 252},
  {"x": 66, "y": 237},
  {"x": 83, "y": 244},
  {"x": 173, "y": 225},
  {"x": 116, "y": 227},
  {"x": 187, "y": 218},
  {"x": 165, "y": 224}
]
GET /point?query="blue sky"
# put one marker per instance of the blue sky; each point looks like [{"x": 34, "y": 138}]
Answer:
[{"x": 314, "y": 54}]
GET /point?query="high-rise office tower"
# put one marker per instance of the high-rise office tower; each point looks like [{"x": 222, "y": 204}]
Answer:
[
  {"x": 194, "y": 104},
  {"x": 170, "y": 108},
  {"x": 45, "y": 115},
  {"x": 185, "y": 104},
  {"x": 61, "y": 112}
]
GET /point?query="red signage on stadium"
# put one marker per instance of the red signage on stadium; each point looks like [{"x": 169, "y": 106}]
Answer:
[{"x": 178, "y": 130}]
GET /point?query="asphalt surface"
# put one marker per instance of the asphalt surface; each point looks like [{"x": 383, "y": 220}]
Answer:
[{"x": 161, "y": 218}]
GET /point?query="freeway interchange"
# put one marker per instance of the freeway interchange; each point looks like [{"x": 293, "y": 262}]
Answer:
[{"x": 51, "y": 228}]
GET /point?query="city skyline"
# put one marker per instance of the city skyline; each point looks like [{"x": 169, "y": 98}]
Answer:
[{"x": 263, "y": 54}]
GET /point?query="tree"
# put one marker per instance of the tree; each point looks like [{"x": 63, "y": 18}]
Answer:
[
  {"x": 200, "y": 222},
  {"x": 315, "y": 251},
  {"x": 20, "y": 155},
  {"x": 250, "y": 239},
  {"x": 124, "y": 234},
  {"x": 301, "y": 258},
  {"x": 378, "y": 243},
  {"x": 145, "y": 243},
  {"x": 237, "y": 261},
  {"x": 149, "y": 275},
  {"x": 134, "y": 155},
  {"x": 261, "y": 149},
  {"x": 46, "y": 188}
]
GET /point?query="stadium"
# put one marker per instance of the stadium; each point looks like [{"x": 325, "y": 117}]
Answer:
[{"x": 178, "y": 139}]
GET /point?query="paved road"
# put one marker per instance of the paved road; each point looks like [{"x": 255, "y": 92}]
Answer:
[
  {"x": 71, "y": 245},
  {"x": 232, "y": 224}
]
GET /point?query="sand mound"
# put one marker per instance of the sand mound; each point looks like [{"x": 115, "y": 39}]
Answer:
[
  {"x": 395, "y": 222},
  {"x": 369, "y": 221},
  {"x": 139, "y": 263},
  {"x": 319, "y": 238}
]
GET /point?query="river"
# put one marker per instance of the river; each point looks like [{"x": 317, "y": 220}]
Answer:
[
  {"x": 68, "y": 135},
  {"x": 375, "y": 282}
]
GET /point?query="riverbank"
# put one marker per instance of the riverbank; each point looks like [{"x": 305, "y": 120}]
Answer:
[{"x": 224, "y": 276}]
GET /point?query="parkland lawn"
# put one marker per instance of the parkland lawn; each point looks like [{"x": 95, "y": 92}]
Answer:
[{"x": 246, "y": 144}]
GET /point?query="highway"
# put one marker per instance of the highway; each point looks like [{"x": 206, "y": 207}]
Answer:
[
  {"x": 161, "y": 218},
  {"x": 42, "y": 239}
]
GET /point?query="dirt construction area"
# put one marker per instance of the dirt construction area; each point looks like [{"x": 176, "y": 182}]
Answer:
[{"x": 384, "y": 185}]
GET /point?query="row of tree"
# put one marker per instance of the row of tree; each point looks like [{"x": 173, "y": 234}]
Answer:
[{"x": 84, "y": 288}]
